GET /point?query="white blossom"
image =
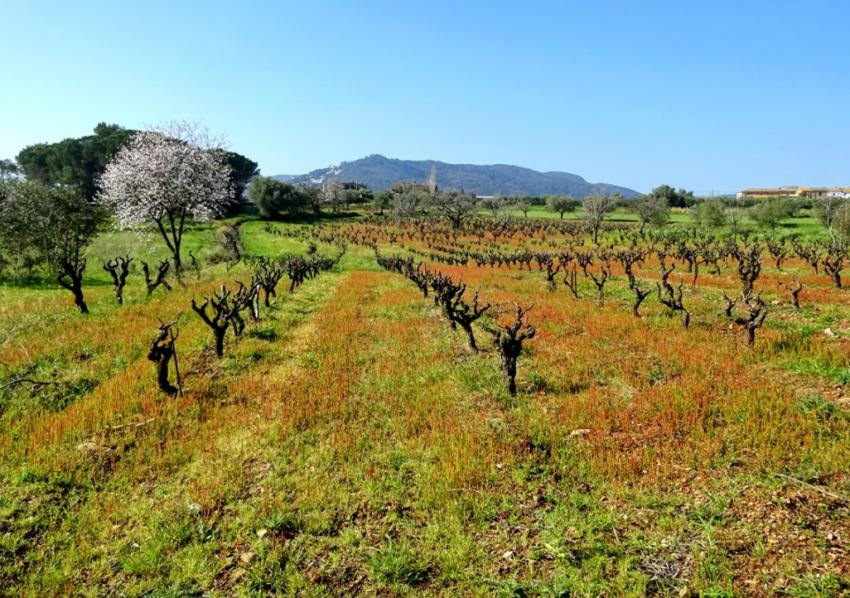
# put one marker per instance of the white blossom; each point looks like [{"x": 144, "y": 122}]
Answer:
[
  {"x": 164, "y": 176},
  {"x": 156, "y": 176}
]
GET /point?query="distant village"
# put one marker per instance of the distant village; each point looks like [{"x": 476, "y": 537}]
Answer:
[{"x": 792, "y": 191}]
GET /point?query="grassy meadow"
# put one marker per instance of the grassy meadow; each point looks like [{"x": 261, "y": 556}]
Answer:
[
  {"x": 805, "y": 225},
  {"x": 349, "y": 443}
]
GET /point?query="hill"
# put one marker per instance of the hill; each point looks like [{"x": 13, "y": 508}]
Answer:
[{"x": 380, "y": 172}]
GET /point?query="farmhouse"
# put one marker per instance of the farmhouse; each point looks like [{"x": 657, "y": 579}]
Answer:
[
  {"x": 763, "y": 193},
  {"x": 794, "y": 191},
  {"x": 824, "y": 192}
]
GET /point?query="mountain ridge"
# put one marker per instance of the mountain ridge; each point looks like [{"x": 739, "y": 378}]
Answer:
[{"x": 379, "y": 172}]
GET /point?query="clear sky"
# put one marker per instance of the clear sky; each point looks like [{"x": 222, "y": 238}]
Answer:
[{"x": 705, "y": 95}]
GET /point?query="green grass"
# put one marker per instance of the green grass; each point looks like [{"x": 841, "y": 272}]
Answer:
[{"x": 806, "y": 227}]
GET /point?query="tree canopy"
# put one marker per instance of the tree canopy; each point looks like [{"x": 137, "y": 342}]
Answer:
[
  {"x": 77, "y": 162},
  {"x": 710, "y": 213},
  {"x": 561, "y": 204},
  {"x": 769, "y": 213},
  {"x": 827, "y": 210},
  {"x": 46, "y": 224},
  {"x": 80, "y": 162},
  {"x": 242, "y": 170},
  {"x": 456, "y": 206},
  {"x": 596, "y": 207},
  {"x": 651, "y": 209}
]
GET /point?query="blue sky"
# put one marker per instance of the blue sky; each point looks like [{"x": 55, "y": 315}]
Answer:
[{"x": 712, "y": 96}]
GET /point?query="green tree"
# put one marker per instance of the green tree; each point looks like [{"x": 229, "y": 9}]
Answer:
[
  {"x": 523, "y": 205},
  {"x": 313, "y": 196},
  {"x": 595, "y": 208},
  {"x": 8, "y": 173},
  {"x": 674, "y": 198},
  {"x": 770, "y": 213},
  {"x": 407, "y": 203},
  {"x": 841, "y": 223},
  {"x": 736, "y": 211},
  {"x": 561, "y": 204},
  {"x": 358, "y": 196},
  {"x": 709, "y": 213},
  {"x": 54, "y": 224},
  {"x": 242, "y": 170},
  {"x": 383, "y": 200},
  {"x": 456, "y": 206},
  {"x": 494, "y": 204},
  {"x": 275, "y": 199},
  {"x": 651, "y": 209},
  {"x": 77, "y": 162}
]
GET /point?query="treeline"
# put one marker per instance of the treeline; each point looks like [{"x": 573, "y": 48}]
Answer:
[
  {"x": 50, "y": 197},
  {"x": 80, "y": 162},
  {"x": 275, "y": 199}
]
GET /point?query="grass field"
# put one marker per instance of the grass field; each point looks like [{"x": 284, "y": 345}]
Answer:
[
  {"x": 805, "y": 226},
  {"x": 349, "y": 443}
]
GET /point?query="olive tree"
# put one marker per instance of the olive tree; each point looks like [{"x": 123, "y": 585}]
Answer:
[
  {"x": 54, "y": 224},
  {"x": 596, "y": 207},
  {"x": 827, "y": 210},
  {"x": 383, "y": 200},
  {"x": 274, "y": 198},
  {"x": 561, "y": 204},
  {"x": 769, "y": 213},
  {"x": 164, "y": 177},
  {"x": 651, "y": 209},
  {"x": 709, "y": 213},
  {"x": 841, "y": 223},
  {"x": 523, "y": 205},
  {"x": 495, "y": 205},
  {"x": 457, "y": 207},
  {"x": 406, "y": 204}
]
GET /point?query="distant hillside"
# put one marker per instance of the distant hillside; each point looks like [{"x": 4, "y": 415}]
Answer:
[{"x": 379, "y": 172}]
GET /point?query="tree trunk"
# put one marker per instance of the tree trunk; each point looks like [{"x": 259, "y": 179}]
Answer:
[
  {"x": 162, "y": 373},
  {"x": 219, "y": 341},
  {"x": 79, "y": 300},
  {"x": 470, "y": 337},
  {"x": 751, "y": 336},
  {"x": 639, "y": 297},
  {"x": 75, "y": 286},
  {"x": 161, "y": 353},
  {"x": 509, "y": 373}
]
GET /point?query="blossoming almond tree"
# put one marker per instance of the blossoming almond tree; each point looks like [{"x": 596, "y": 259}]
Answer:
[{"x": 164, "y": 177}]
